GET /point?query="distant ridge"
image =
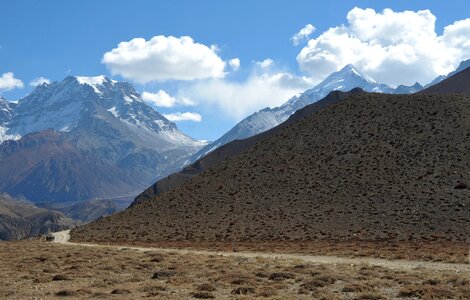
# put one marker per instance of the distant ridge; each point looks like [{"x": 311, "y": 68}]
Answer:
[{"x": 459, "y": 83}]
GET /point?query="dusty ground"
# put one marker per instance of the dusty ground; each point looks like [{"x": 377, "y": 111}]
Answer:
[
  {"x": 37, "y": 269},
  {"x": 436, "y": 252}
]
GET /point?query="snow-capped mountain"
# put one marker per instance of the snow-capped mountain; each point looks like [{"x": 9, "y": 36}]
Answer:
[
  {"x": 344, "y": 80},
  {"x": 73, "y": 103},
  {"x": 102, "y": 124}
]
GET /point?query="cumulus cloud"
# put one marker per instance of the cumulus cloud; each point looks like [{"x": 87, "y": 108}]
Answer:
[
  {"x": 263, "y": 88},
  {"x": 303, "y": 34},
  {"x": 9, "y": 82},
  {"x": 164, "y": 58},
  {"x": 163, "y": 99},
  {"x": 38, "y": 81},
  {"x": 185, "y": 116},
  {"x": 234, "y": 63},
  {"x": 392, "y": 47}
]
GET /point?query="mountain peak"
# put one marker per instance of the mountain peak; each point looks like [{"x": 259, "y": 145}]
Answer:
[
  {"x": 352, "y": 70},
  {"x": 350, "y": 67},
  {"x": 96, "y": 82}
]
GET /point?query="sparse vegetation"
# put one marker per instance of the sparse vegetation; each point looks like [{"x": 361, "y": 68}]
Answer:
[{"x": 84, "y": 272}]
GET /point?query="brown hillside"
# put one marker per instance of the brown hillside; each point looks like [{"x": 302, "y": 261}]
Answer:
[
  {"x": 236, "y": 147},
  {"x": 370, "y": 167}
]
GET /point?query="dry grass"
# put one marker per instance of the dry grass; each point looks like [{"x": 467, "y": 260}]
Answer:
[{"x": 38, "y": 269}]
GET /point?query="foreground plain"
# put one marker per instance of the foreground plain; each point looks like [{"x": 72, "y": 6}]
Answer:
[{"x": 47, "y": 270}]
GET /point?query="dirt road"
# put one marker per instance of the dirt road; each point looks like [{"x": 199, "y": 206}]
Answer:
[{"x": 63, "y": 237}]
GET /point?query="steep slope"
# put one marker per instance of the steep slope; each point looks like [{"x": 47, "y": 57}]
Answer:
[
  {"x": 344, "y": 80},
  {"x": 19, "y": 220},
  {"x": 458, "y": 83},
  {"x": 106, "y": 142},
  {"x": 371, "y": 167},
  {"x": 235, "y": 147}
]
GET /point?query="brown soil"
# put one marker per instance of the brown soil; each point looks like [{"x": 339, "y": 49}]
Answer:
[{"x": 36, "y": 269}]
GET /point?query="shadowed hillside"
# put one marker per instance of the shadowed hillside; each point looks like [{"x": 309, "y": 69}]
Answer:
[
  {"x": 371, "y": 167},
  {"x": 236, "y": 147}
]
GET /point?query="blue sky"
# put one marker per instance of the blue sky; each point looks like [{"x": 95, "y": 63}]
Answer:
[{"x": 54, "y": 39}]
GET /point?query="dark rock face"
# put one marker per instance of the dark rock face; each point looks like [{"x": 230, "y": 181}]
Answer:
[{"x": 370, "y": 167}]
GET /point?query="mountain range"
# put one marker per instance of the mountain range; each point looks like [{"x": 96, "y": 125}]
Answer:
[
  {"x": 94, "y": 141},
  {"x": 86, "y": 138}
]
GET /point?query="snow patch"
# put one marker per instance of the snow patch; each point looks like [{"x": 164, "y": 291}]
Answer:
[
  {"x": 128, "y": 99},
  {"x": 113, "y": 111},
  {"x": 4, "y": 136},
  {"x": 94, "y": 82}
]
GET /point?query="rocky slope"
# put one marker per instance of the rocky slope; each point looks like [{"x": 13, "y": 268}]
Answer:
[
  {"x": 234, "y": 148},
  {"x": 85, "y": 138},
  {"x": 370, "y": 167},
  {"x": 19, "y": 220}
]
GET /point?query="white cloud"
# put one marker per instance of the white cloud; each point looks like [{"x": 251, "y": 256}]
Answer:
[
  {"x": 186, "y": 116},
  {"x": 263, "y": 88},
  {"x": 234, "y": 63},
  {"x": 303, "y": 34},
  {"x": 38, "y": 81},
  {"x": 163, "y": 99},
  {"x": 9, "y": 82},
  {"x": 392, "y": 47},
  {"x": 164, "y": 58},
  {"x": 265, "y": 64}
]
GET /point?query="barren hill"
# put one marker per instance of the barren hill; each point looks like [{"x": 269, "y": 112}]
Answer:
[
  {"x": 236, "y": 147},
  {"x": 370, "y": 167}
]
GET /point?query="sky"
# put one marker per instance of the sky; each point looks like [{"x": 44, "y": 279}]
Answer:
[{"x": 208, "y": 64}]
